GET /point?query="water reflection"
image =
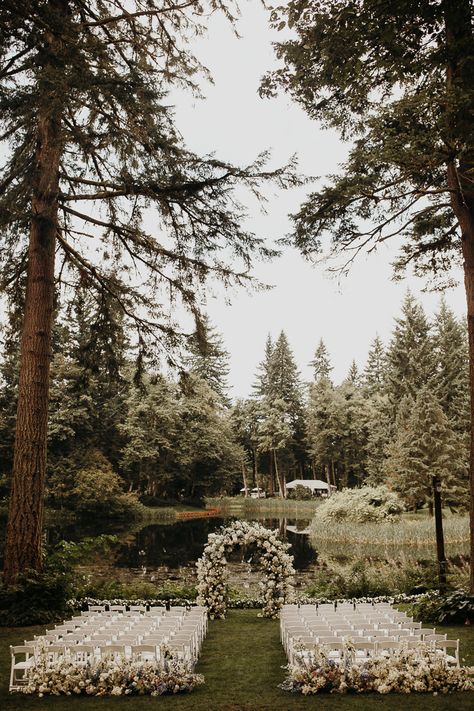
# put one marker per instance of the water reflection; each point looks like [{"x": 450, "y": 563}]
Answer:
[{"x": 181, "y": 543}]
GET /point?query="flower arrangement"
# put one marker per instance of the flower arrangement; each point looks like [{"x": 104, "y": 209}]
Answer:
[
  {"x": 249, "y": 603},
  {"x": 112, "y": 677},
  {"x": 277, "y": 585},
  {"x": 404, "y": 671}
]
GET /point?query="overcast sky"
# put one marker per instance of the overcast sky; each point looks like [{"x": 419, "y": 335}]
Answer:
[{"x": 305, "y": 302}]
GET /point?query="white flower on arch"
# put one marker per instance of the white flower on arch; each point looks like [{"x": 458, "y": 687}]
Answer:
[{"x": 277, "y": 563}]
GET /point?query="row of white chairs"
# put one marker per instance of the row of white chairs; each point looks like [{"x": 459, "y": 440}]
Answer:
[
  {"x": 374, "y": 630},
  {"x": 136, "y": 634}
]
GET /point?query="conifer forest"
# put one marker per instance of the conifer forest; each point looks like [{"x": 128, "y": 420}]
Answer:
[{"x": 134, "y": 432}]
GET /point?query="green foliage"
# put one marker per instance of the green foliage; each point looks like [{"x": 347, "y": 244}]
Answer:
[
  {"x": 136, "y": 590},
  {"x": 398, "y": 79},
  {"x": 92, "y": 487},
  {"x": 370, "y": 577},
  {"x": 38, "y": 598},
  {"x": 208, "y": 359},
  {"x": 299, "y": 493},
  {"x": 456, "y": 607},
  {"x": 369, "y": 503},
  {"x": 425, "y": 445}
]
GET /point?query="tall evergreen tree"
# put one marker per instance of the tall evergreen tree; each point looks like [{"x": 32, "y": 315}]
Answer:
[
  {"x": 275, "y": 433},
  {"x": 354, "y": 416},
  {"x": 209, "y": 360},
  {"x": 452, "y": 374},
  {"x": 245, "y": 418},
  {"x": 321, "y": 362},
  {"x": 323, "y": 429},
  {"x": 262, "y": 378},
  {"x": 411, "y": 363},
  {"x": 284, "y": 381},
  {"x": 85, "y": 110},
  {"x": 375, "y": 371},
  {"x": 426, "y": 446},
  {"x": 379, "y": 433}
]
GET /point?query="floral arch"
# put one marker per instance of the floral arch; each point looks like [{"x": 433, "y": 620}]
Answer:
[{"x": 277, "y": 584}]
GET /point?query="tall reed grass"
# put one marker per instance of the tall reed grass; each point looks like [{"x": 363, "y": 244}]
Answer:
[{"x": 401, "y": 532}]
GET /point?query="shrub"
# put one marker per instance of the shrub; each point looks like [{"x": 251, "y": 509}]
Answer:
[
  {"x": 300, "y": 493},
  {"x": 370, "y": 503},
  {"x": 114, "y": 589},
  {"x": 89, "y": 485},
  {"x": 40, "y": 598},
  {"x": 456, "y": 607},
  {"x": 369, "y": 578}
]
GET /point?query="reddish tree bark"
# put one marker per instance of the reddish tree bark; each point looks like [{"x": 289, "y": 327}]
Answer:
[
  {"x": 23, "y": 547},
  {"x": 460, "y": 75}
]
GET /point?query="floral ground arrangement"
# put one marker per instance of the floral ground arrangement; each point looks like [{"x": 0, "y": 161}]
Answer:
[
  {"x": 115, "y": 678},
  {"x": 277, "y": 564},
  {"x": 406, "y": 671}
]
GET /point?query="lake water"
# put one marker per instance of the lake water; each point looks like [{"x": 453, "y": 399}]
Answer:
[{"x": 167, "y": 550}]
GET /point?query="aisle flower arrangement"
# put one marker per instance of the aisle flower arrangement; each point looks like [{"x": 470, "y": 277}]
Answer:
[
  {"x": 115, "y": 678},
  {"x": 405, "y": 671},
  {"x": 247, "y": 603},
  {"x": 277, "y": 584}
]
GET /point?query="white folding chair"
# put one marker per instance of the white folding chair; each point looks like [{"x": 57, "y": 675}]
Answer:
[
  {"x": 144, "y": 652},
  {"x": 23, "y": 660},
  {"x": 443, "y": 646},
  {"x": 364, "y": 649}
]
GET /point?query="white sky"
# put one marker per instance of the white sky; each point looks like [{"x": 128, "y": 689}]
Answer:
[{"x": 308, "y": 304}]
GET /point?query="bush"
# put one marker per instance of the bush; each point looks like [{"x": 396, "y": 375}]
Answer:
[
  {"x": 40, "y": 598},
  {"x": 37, "y": 598},
  {"x": 334, "y": 580},
  {"x": 89, "y": 485},
  {"x": 300, "y": 493},
  {"x": 456, "y": 607},
  {"x": 114, "y": 589},
  {"x": 370, "y": 503}
]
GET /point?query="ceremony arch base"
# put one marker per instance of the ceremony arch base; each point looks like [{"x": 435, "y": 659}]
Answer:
[{"x": 277, "y": 563}]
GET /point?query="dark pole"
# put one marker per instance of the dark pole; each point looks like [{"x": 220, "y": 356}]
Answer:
[{"x": 439, "y": 533}]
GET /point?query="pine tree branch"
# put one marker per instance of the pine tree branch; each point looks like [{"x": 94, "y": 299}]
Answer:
[{"x": 143, "y": 13}]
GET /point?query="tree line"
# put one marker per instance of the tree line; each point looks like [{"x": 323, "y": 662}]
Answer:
[{"x": 121, "y": 429}]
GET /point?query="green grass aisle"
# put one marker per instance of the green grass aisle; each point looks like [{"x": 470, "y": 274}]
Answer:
[{"x": 241, "y": 660}]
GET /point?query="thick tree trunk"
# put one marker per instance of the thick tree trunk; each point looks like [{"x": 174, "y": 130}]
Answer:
[
  {"x": 23, "y": 547},
  {"x": 468, "y": 252},
  {"x": 460, "y": 76}
]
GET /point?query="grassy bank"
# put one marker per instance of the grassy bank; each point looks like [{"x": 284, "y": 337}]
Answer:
[
  {"x": 239, "y": 505},
  {"x": 405, "y": 531},
  {"x": 241, "y": 660}
]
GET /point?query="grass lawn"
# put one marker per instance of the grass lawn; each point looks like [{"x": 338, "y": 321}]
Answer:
[{"x": 241, "y": 660}]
